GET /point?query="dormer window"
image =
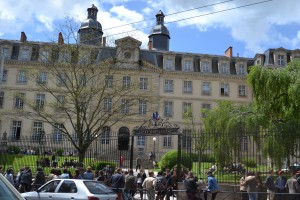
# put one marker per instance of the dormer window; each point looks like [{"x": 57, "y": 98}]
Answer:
[
  {"x": 6, "y": 53},
  {"x": 187, "y": 65},
  {"x": 64, "y": 57},
  {"x": 25, "y": 54},
  {"x": 224, "y": 68},
  {"x": 241, "y": 69},
  {"x": 169, "y": 64},
  {"x": 280, "y": 60},
  {"x": 205, "y": 67},
  {"x": 44, "y": 56}
]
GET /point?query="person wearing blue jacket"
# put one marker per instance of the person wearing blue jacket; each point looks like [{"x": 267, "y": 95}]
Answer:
[{"x": 212, "y": 186}]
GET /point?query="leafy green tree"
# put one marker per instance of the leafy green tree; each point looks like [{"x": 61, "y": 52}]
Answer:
[
  {"x": 277, "y": 97},
  {"x": 227, "y": 125}
]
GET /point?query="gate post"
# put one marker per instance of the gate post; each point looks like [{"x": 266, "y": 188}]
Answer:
[{"x": 131, "y": 152}]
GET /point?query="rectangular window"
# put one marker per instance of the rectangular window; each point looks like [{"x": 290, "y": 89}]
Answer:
[
  {"x": 126, "y": 81},
  {"x": 188, "y": 65},
  {"x": 169, "y": 64},
  {"x": 205, "y": 67},
  {"x": 60, "y": 101},
  {"x": 142, "y": 107},
  {"x": 244, "y": 144},
  {"x": 19, "y": 100},
  {"x": 143, "y": 83},
  {"x": 224, "y": 89},
  {"x": 82, "y": 80},
  {"x": 40, "y": 101},
  {"x": 241, "y": 69},
  {"x": 109, "y": 81},
  {"x": 167, "y": 141},
  {"x": 44, "y": 56},
  {"x": 37, "y": 129},
  {"x": 57, "y": 132},
  {"x": 169, "y": 85},
  {"x": 205, "y": 107},
  {"x": 16, "y": 130},
  {"x": 42, "y": 78},
  {"x": 187, "y": 86},
  {"x": 168, "y": 109},
  {"x": 4, "y": 76},
  {"x": 25, "y": 55},
  {"x": 22, "y": 77},
  {"x": 105, "y": 135},
  {"x": 107, "y": 104},
  {"x": 206, "y": 88},
  {"x": 187, "y": 139},
  {"x": 140, "y": 140},
  {"x": 1, "y": 99},
  {"x": 125, "y": 106},
  {"x": 61, "y": 80},
  {"x": 224, "y": 69},
  {"x": 64, "y": 57},
  {"x": 186, "y": 107},
  {"x": 242, "y": 90},
  {"x": 280, "y": 60},
  {"x": 6, "y": 53}
]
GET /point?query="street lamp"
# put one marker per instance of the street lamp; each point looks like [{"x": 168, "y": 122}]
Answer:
[{"x": 154, "y": 156}]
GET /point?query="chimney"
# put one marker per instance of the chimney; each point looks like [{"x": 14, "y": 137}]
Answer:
[
  {"x": 23, "y": 37},
  {"x": 60, "y": 39},
  {"x": 150, "y": 45},
  {"x": 228, "y": 52},
  {"x": 104, "y": 41}
]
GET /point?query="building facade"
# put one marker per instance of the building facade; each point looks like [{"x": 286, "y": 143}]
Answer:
[{"x": 168, "y": 82}]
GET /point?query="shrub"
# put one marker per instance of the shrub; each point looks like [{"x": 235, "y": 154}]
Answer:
[
  {"x": 203, "y": 158},
  {"x": 249, "y": 163},
  {"x": 59, "y": 152},
  {"x": 169, "y": 160},
  {"x": 100, "y": 165},
  {"x": 14, "y": 149}
]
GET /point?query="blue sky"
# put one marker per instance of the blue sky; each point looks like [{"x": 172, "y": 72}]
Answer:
[{"x": 249, "y": 30}]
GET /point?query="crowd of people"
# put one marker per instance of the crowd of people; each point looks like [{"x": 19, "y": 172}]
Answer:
[{"x": 252, "y": 187}]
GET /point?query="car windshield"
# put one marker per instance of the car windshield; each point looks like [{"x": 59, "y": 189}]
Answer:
[
  {"x": 6, "y": 193},
  {"x": 97, "y": 188}
]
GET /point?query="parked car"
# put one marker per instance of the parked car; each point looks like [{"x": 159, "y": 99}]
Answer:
[
  {"x": 66, "y": 189},
  {"x": 8, "y": 191}
]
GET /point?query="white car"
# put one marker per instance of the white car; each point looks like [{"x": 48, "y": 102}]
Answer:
[
  {"x": 75, "y": 189},
  {"x": 8, "y": 191}
]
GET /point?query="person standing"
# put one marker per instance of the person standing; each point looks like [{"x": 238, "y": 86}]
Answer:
[
  {"x": 270, "y": 185},
  {"x": 9, "y": 175},
  {"x": 130, "y": 185},
  {"x": 291, "y": 186},
  {"x": 160, "y": 185},
  {"x": 40, "y": 178},
  {"x": 149, "y": 186},
  {"x": 88, "y": 174},
  {"x": 191, "y": 186},
  {"x": 65, "y": 174},
  {"x": 251, "y": 185},
  {"x": 170, "y": 181},
  {"x": 243, "y": 188},
  {"x": 138, "y": 163},
  {"x": 280, "y": 185},
  {"x": 25, "y": 180},
  {"x": 140, "y": 179},
  {"x": 212, "y": 186},
  {"x": 117, "y": 183}
]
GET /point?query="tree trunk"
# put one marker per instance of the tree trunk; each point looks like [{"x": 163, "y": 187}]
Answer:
[{"x": 81, "y": 156}]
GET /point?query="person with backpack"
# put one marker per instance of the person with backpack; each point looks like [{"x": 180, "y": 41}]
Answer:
[
  {"x": 191, "y": 186},
  {"x": 160, "y": 185},
  {"x": 270, "y": 185},
  {"x": 117, "y": 183},
  {"x": 130, "y": 185},
  {"x": 148, "y": 184}
]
